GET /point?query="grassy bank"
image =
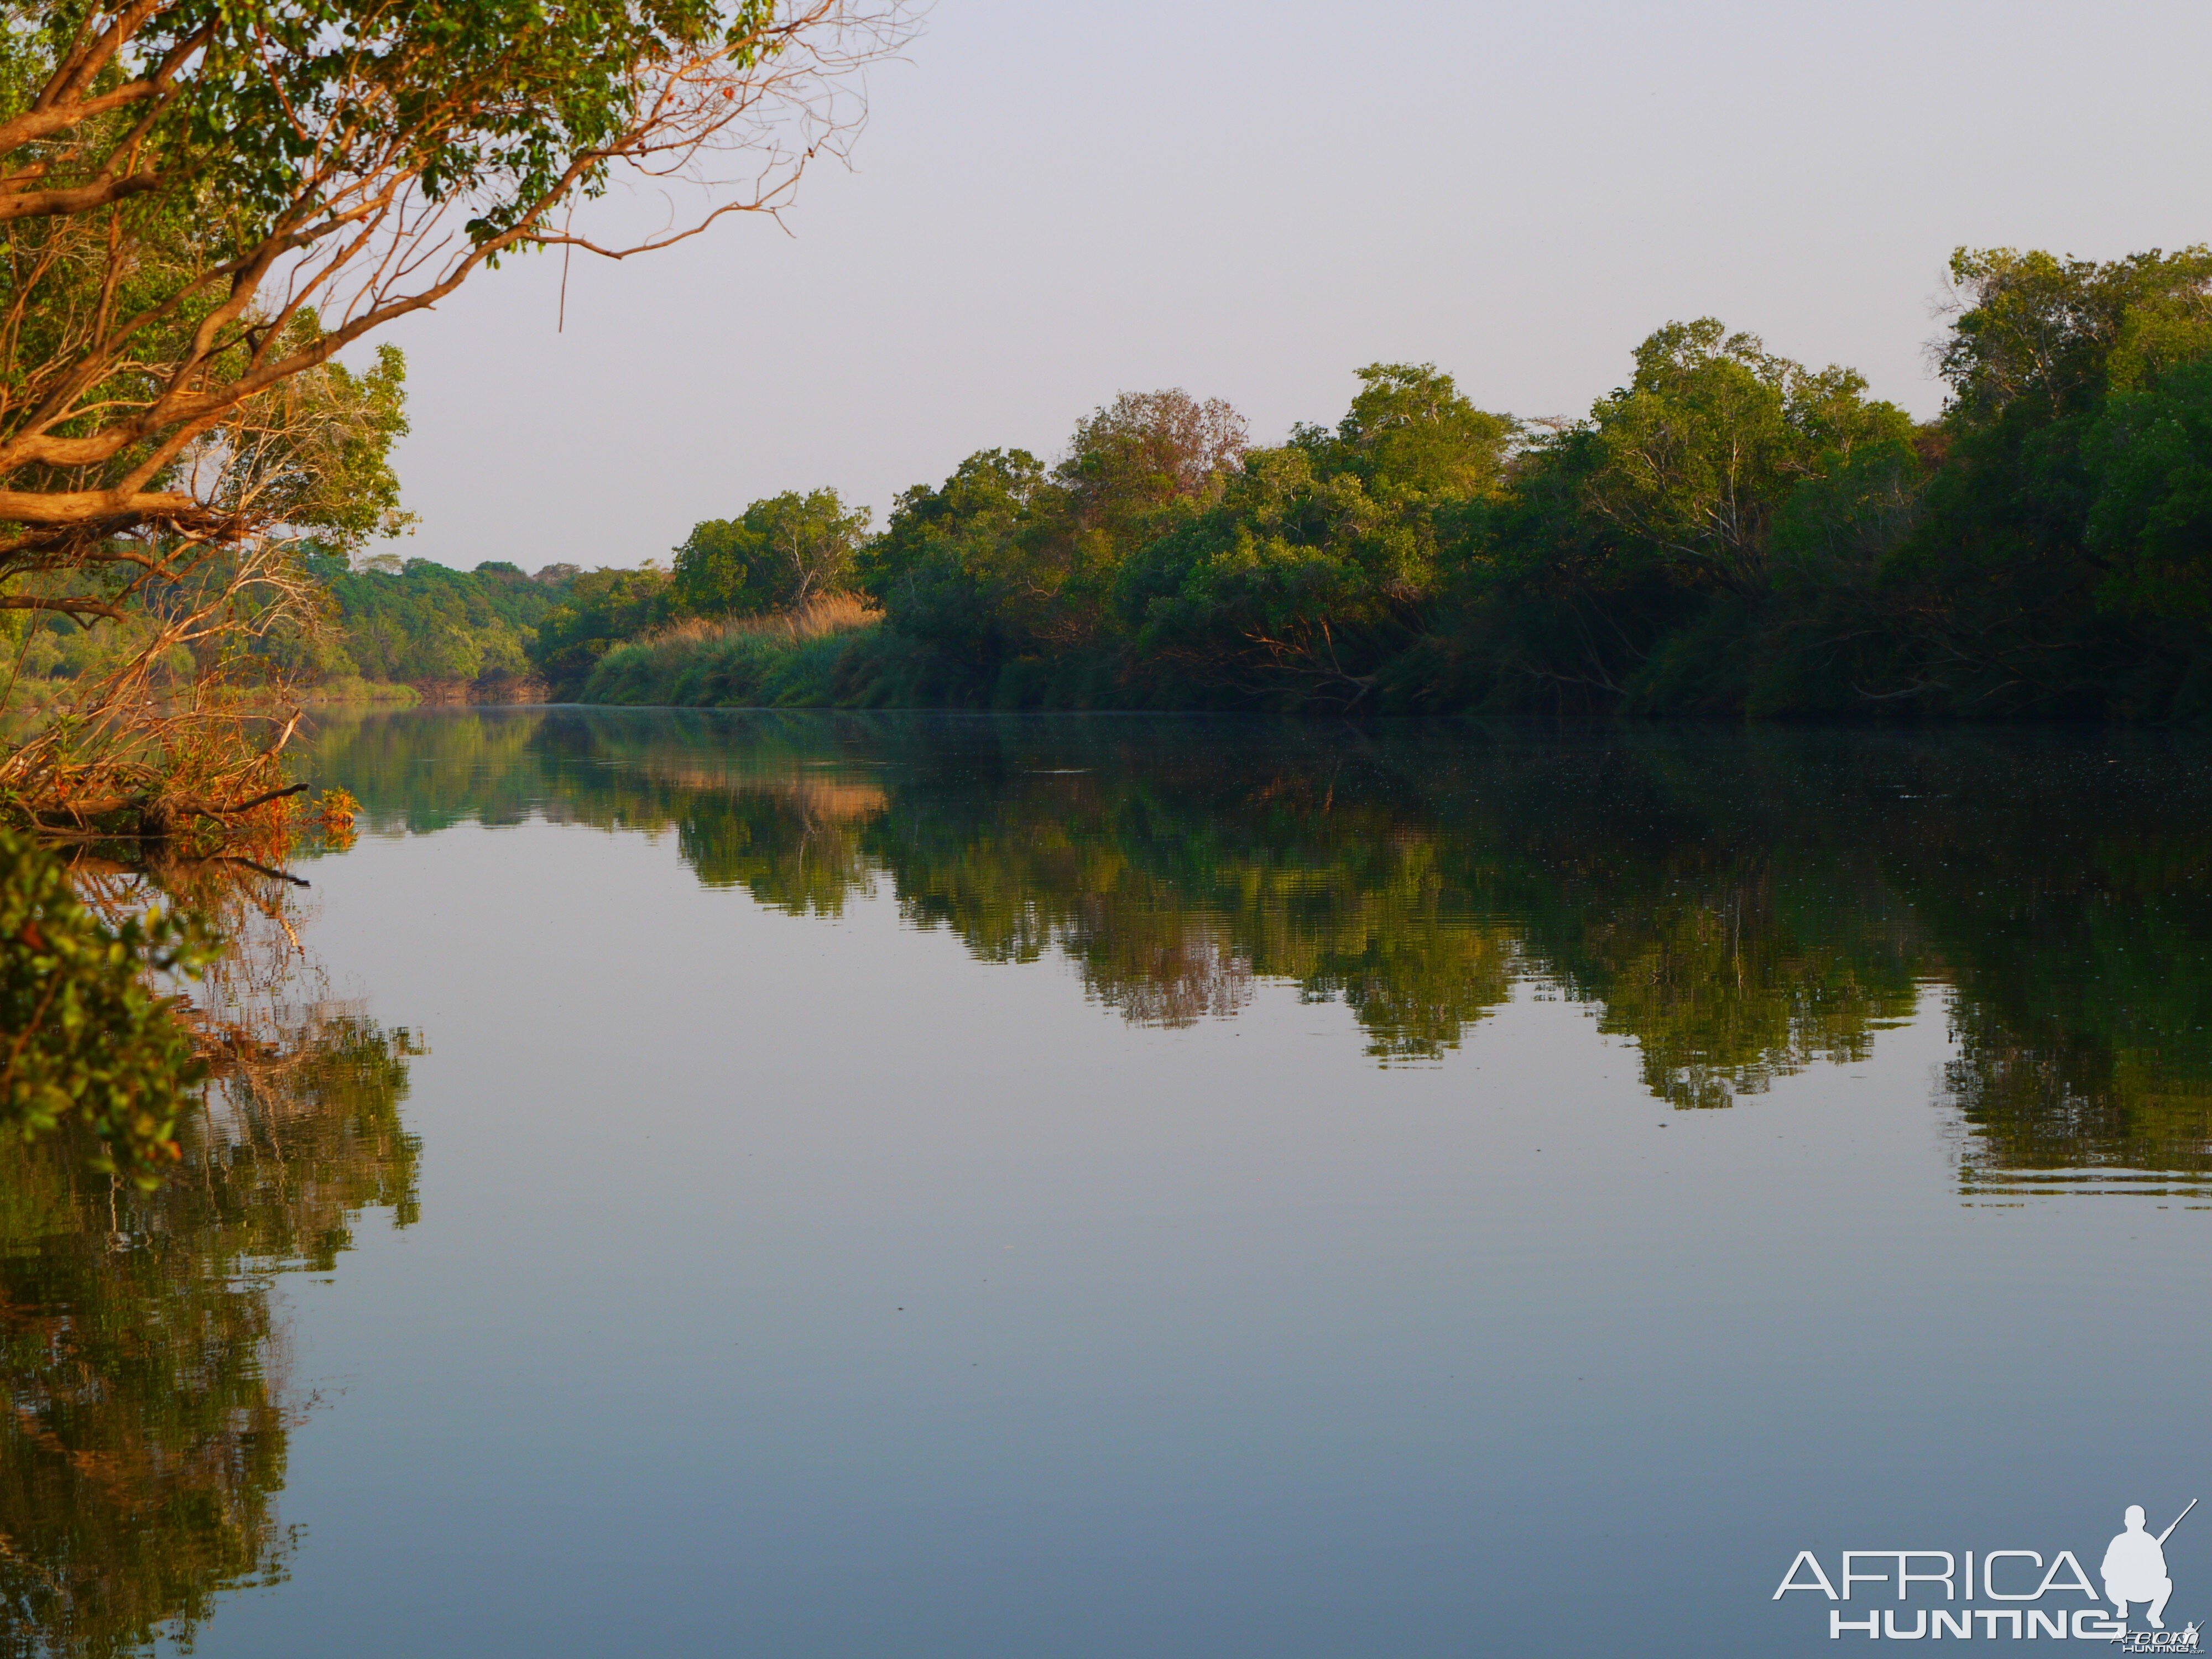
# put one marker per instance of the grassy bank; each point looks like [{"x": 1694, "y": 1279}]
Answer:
[
  {"x": 814, "y": 657},
  {"x": 839, "y": 651},
  {"x": 351, "y": 689}
]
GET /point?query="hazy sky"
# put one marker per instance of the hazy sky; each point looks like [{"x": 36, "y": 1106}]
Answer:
[{"x": 1055, "y": 202}]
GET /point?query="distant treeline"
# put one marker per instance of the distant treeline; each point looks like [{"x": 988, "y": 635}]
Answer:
[
  {"x": 1731, "y": 532},
  {"x": 427, "y": 625},
  {"x": 391, "y": 630}
]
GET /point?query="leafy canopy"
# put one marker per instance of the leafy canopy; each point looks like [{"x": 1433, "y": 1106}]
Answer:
[
  {"x": 1693, "y": 458},
  {"x": 778, "y": 553}
]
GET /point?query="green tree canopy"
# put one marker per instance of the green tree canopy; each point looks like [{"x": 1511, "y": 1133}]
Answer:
[
  {"x": 2150, "y": 520},
  {"x": 948, "y": 566},
  {"x": 1730, "y": 531},
  {"x": 1692, "y": 458},
  {"x": 2056, "y": 332},
  {"x": 778, "y": 554},
  {"x": 602, "y": 608},
  {"x": 1317, "y": 559},
  {"x": 1144, "y": 453},
  {"x": 272, "y": 181},
  {"x": 202, "y": 204}
]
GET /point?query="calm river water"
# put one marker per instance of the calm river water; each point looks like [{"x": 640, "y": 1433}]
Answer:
[{"x": 823, "y": 1185}]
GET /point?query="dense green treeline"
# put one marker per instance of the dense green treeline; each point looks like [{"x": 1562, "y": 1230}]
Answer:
[
  {"x": 419, "y": 622},
  {"x": 1738, "y": 906},
  {"x": 388, "y": 628},
  {"x": 1730, "y": 532}
]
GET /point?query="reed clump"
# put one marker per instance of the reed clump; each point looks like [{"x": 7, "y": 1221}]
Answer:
[
  {"x": 790, "y": 659},
  {"x": 824, "y": 615}
]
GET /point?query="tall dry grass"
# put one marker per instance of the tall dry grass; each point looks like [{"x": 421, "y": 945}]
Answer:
[
  {"x": 791, "y": 659},
  {"x": 819, "y": 618}
]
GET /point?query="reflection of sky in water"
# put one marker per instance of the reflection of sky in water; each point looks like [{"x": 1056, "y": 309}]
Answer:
[{"x": 801, "y": 1271}]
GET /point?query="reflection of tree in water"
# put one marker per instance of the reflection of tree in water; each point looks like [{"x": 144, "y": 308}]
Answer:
[
  {"x": 2083, "y": 1006},
  {"x": 482, "y": 766},
  {"x": 794, "y": 845},
  {"x": 1740, "y": 905},
  {"x": 2045, "y": 1107},
  {"x": 1163, "y": 970},
  {"x": 148, "y": 1405},
  {"x": 1727, "y": 983}
]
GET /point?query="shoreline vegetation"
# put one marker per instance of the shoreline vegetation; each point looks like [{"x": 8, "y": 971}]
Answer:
[
  {"x": 789, "y": 658},
  {"x": 1730, "y": 533}
]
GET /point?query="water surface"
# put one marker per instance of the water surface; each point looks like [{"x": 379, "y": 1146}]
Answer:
[{"x": 808, "y": 1184}]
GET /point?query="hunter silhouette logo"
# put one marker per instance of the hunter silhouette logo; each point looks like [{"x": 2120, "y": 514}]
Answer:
[
  {"x": 2135, "y": 1567},
  {"x": 2022, "y": 1594}
]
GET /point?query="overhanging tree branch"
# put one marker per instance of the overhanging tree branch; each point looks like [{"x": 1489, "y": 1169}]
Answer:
[{"x": 198, "y": 212}]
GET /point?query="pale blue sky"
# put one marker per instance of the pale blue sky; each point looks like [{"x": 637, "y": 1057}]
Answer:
[{"x": 1054, "y": 202}]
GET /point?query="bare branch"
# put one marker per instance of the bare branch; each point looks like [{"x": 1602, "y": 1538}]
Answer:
[{"x": 75, "y": 607}]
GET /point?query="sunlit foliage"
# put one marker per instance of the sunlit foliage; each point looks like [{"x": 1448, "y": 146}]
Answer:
[{"x": 1730, "y": 531}]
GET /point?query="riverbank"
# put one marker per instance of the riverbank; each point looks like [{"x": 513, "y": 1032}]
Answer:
[
  {"x": 770, "y": 662},
  {"x": 858, "y": 660},
  {"x": 805, "y": 658}
]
